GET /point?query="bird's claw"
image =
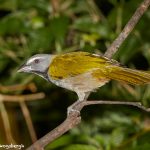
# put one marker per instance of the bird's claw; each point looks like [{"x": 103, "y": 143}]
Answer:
[{"x": 70, "y": 110}]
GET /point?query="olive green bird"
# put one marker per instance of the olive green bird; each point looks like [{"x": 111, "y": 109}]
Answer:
[{"x": 82, "y": 72}]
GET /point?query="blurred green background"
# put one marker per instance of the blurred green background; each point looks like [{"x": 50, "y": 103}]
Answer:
[{"x": 59, "y": 26}]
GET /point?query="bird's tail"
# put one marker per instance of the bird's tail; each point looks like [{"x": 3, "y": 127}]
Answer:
[{"x": 131, "y": 76}]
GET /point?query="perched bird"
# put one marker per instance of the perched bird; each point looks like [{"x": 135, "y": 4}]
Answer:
[{"x": 82, "y": 72}]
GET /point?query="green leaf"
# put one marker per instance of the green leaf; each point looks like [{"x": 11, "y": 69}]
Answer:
[
  {"x": 40, "y": 39},
  {"x": 80, "y": 147},
  {"x": 58, "y": 27},
  {"x": 145, "y": 146},
  {"x": 62, "y": 141},
  {"x": 12, "y": 24}
]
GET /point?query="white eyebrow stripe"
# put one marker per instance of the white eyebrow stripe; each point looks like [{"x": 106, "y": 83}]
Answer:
[{"x": 32, "y": 59}]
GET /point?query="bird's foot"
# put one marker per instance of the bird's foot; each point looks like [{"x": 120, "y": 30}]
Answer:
[{"x": 71, "y": 110}]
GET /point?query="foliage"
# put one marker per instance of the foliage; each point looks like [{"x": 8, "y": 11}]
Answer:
[{"x": 59, "y": 26}]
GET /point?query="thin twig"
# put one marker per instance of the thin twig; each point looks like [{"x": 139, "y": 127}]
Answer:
[
  {"x": 132, "y": 138},
  {"x": 21, "y": 99},
  {"x": 127, "y": 29},
  {"x": 18, "y": 87},
  {"x": 55, "y": 6},
  {"x": 145, "y": 129},
  {"x": 28, "y": 120},
  {"x": 136, "y": 104},
  {"x": 94, "y": 11},
  {"x": 17, "y": 98},
  {"x": 5, "y": 118}
]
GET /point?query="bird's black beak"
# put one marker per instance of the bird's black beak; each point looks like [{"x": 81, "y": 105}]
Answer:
[{"x": 24, "y": 68}]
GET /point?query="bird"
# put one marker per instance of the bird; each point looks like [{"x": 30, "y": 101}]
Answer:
[{"x": 82, "y": 72}]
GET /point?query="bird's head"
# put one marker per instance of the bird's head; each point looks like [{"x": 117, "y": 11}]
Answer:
[{"x": 37, "y": 64}]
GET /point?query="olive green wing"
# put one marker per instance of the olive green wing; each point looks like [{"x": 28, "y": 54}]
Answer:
[{"x": 75, "y": 63}]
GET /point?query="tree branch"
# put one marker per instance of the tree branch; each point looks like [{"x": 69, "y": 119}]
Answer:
[
  {"x": 74, "y": 118},
  {"x": 127, "y": 29}
]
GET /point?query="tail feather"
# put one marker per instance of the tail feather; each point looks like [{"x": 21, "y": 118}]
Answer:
[{"x": 131, "y": 76}]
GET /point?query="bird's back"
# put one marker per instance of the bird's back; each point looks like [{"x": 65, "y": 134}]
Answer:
[{"x": 75, "y": 63}]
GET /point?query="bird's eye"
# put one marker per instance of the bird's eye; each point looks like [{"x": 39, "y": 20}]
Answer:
[{"x": 36, "y": 61}]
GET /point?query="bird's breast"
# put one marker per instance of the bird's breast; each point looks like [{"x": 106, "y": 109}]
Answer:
[{"x": 84, "y": 82}]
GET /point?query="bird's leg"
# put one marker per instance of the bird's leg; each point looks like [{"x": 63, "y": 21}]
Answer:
[{"x": 82, "y": 97}]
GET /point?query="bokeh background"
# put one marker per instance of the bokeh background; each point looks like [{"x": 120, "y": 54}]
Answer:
[{"x": 59, "y": 26}]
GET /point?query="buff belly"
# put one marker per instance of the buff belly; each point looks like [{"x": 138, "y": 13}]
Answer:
[{"x": 81, "y": 83}]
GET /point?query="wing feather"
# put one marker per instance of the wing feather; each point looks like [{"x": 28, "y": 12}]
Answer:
[{"x": 75, "y": 63}]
